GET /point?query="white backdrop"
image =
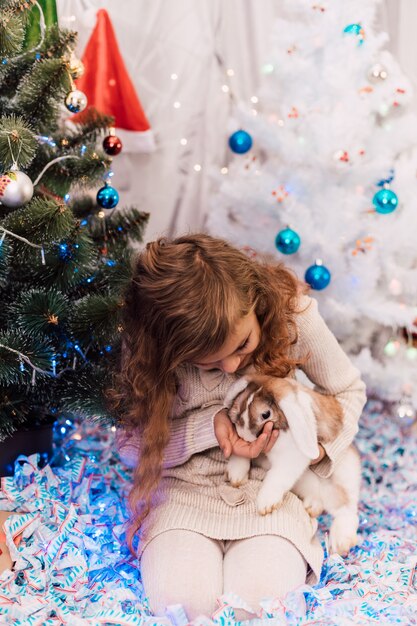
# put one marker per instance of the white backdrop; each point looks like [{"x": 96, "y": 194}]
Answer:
[{"x": 197, "y": 41}]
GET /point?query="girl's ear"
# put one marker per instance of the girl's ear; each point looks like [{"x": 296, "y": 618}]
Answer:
[{"x": 298, "y": 409}]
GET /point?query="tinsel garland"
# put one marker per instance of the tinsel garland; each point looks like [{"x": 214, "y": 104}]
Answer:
[{"x": 73, "y": 565}]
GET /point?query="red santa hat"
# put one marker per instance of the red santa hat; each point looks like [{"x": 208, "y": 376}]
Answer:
[{"x": 109, "y": 88}]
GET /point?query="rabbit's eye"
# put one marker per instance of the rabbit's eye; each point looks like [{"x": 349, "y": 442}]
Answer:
[{"x": 266, "y": 414}]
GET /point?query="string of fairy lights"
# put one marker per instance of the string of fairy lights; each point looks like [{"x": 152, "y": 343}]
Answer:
[
  {"x": 288, "y": 241},
  {"x": 384, "y": 200},
  {"x": 17, "y": 189}
]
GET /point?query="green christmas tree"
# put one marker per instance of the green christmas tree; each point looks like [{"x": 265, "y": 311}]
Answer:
[{"x": 64, "y": 258}]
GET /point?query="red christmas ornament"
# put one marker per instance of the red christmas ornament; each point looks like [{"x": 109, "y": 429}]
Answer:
[{"x": 112, "y": 145}]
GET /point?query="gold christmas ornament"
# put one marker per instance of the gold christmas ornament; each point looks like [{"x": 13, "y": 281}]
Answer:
[{"x": 76, "y": 66}]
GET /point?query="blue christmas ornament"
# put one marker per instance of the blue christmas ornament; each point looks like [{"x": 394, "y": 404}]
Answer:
[
  {"x": 240, "y": 142},
  {"x": 287, "y": 241},
  {"x": 317, "y": 276},
  {"x": 385, "y": 201},
  {"x": 356, "y": 29},
  {"x": 107, "y": 197}
]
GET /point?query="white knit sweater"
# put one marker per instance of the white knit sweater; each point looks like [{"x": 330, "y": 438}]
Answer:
[{"x": 194, "y": 494}]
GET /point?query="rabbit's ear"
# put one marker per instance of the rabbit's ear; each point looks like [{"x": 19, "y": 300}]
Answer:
[
  {"x": 298, "y": 409},
  {"x": 234, "y": 391}
]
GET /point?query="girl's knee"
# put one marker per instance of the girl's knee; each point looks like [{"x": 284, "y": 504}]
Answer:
[
  {"x": 172, "y": 573},
  {"x": 263, "y": 567}
]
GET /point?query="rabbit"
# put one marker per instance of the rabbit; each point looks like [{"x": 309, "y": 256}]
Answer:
[{"x": 304, "y": 418}]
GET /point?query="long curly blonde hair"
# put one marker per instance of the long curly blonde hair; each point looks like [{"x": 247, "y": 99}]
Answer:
[{"x": 183, "y": 301}]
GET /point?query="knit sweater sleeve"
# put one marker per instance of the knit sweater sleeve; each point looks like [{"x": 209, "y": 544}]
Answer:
[
  {"x": 329, "y": 369},
  {"x": 191, "y": 433}
]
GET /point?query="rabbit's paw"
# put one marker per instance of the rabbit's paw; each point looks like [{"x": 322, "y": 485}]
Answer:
[
  {"x": 238, "y": 470},
  {"x": 313, "y": 506},
  {"x": 343, "y": 534},
  {"x": 268, "y": 500}
]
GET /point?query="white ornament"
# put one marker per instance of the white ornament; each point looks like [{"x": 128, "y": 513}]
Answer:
[{"x": 16, "y": 189}]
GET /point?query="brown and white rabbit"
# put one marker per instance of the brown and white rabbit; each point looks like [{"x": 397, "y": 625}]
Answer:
[{"x": 304, "y": 418}]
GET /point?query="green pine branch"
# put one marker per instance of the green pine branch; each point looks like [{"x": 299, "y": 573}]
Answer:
[
  {"x": 89, "y": 129},
  {"x": 68, "y": 262},
  {"x": 32, "y": 408},
  {"x": 97, "y": 316},
  {"x": 119, "y": 225},
  {"x": 85, "y": 171},
  {"x": 58, "y": 42},
  {"x": 16, "y": 140},
  {"x": 12, "y": 31},
  {"x": 42, "y": 221},
  {"x": 5, "y": 253},
  {"x": 115, "y": 271},
  {"x": 83, "y": 393},
  {"x": 40, "y": 312},
  {"x": 39, "y": 93},
  {"x": 15, "y": 368}
]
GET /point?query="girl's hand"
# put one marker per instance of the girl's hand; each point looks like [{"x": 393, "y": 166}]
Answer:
[
  {"x": 320, "y": 457},
  {"x": 231, "y": 443}
]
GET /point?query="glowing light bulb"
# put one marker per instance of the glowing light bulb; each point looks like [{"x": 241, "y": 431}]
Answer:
[
  {"x": 392, "y": 347},
  {"x": 395, "y": 287},
  {"x": 411, "y": 353},
  {"x": 268, "y": 68}
]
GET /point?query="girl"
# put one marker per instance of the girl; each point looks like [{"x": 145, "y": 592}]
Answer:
[{"x": 198, "y": 314}]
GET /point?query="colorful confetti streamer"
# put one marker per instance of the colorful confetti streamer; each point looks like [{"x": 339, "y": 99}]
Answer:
[{"x": 73, "y": 566}]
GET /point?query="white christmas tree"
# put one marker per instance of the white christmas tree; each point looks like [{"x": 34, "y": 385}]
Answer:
[{"x": 332, "y": 170}]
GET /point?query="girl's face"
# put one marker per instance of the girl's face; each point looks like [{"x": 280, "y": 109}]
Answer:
[{"x": 237, "y": 349}]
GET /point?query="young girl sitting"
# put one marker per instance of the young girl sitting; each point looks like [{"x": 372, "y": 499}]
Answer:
[{"x": 198, "y": 314}]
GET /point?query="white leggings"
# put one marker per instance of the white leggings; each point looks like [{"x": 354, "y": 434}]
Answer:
[{"x": 185, "y": 567}]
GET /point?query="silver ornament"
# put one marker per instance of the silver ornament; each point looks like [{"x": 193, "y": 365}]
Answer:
[
  {"x": 377, "y": 72},
  {"x": 76, "y": 101},
  {"x": 16, "y": 189}
]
